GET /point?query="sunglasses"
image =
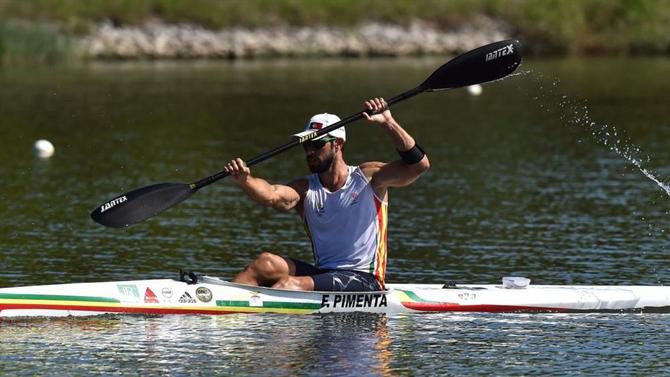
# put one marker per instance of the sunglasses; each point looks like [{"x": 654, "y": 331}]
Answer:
[{"x": 317, "y": 144}]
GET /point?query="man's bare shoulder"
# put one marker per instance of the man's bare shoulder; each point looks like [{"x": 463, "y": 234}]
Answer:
[{"x": 371, "y": 168}]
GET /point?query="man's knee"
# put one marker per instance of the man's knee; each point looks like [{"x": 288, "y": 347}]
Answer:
[{"x": 267, "y": 265}]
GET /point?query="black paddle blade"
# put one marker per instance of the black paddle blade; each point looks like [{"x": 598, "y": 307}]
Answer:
[
  {"x": 487, "y": 63},
  {"x": 141, "y": 204}
]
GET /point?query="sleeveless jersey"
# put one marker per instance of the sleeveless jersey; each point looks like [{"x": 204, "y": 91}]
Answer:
[{"x": 347, "y": 227}]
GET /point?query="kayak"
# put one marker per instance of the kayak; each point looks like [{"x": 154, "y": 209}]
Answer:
[{"x": 213, "y": 296}]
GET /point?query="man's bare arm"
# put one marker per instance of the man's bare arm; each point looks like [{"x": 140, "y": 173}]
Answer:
[
  {"x": 397, "y": 173},
  {"x": 280, "y": 197}
]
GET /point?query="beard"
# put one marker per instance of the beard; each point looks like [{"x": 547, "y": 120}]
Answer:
[{"x": 318, "y": 166}]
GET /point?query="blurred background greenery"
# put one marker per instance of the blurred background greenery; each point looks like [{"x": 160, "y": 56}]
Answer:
[{"x": 40, "y": 30}]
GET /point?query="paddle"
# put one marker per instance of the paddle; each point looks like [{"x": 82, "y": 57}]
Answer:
[{"x": 486, "y": 63}]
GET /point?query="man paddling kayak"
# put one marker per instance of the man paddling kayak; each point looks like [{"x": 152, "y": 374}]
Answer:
[{"x": 344, "y": 209}]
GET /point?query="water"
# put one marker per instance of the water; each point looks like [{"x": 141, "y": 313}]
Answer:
[
  {"x": 544, "y": 175},
  {"x": 343, "y": 345}
]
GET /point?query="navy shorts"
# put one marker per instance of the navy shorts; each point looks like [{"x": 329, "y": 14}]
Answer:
[{"x": 337, "y": 280}]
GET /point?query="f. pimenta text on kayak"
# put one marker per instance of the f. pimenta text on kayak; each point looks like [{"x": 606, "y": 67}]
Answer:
[
  {"x": 113, "y": 203},
  {"x": 360, "y": 300}
]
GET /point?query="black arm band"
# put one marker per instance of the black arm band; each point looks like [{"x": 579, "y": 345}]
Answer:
[{"x": 413, "y": 155}]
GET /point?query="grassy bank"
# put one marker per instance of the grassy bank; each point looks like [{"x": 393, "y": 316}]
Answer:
[
  {"x": 546, "y": 26},
  {"x": 22, "y": 43}
]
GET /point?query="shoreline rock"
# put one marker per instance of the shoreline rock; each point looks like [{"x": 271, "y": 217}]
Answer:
[{"x": 155, "y": 40}]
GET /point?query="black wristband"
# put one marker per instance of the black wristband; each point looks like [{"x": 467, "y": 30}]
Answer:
[{"x": 413, "y": 155}]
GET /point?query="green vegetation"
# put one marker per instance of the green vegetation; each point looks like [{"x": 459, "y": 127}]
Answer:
[
  {"x": 589, "y": 26},
  {"x": 546, "y": 26},
  {"x": 31, "y": 43}
]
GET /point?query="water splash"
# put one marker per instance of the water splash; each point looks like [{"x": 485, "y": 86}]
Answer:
[{"x": 576, "y": 113}]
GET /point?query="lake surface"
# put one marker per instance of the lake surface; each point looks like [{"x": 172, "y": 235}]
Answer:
[{"x": 558, "y": 174}]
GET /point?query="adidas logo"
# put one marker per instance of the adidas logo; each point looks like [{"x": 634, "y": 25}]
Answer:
[{"x": 187, "y": 299}]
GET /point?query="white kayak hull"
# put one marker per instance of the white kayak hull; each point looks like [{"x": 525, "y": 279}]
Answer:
[{"x": 213, "y": 296}]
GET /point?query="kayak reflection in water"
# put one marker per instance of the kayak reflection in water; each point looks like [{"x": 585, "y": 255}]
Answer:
[{"x": 343, "y": 208}]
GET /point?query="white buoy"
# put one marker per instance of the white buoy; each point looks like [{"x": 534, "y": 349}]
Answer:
[
  {"x": 43, "y": 148},
  {"x": 475, "y": 90}
]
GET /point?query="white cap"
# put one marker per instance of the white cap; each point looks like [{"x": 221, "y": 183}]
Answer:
[{"x": 324, "y": 120}]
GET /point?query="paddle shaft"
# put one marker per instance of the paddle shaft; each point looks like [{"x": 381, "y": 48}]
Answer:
[{"x": 282, "y": 148}]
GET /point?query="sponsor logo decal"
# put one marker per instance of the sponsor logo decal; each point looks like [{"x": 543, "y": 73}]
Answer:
[
  {"x": 166, "y": 292},
  {"x": 360, "y": 300},
  {"x": 354, "y": 198},
  {"x": 500, "y": 52},
  {"x": 128, "y": 290},
  {"x": 113, "y": 203},
  {"x": 255, "y": 300},
  {"x": 203, "y": 294},
  {"x": 303, "y": 139},
  {"x": 187, "y": 299},
  {"x": 150, "y": 297},
  {"x": 311, "y": 135}
]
